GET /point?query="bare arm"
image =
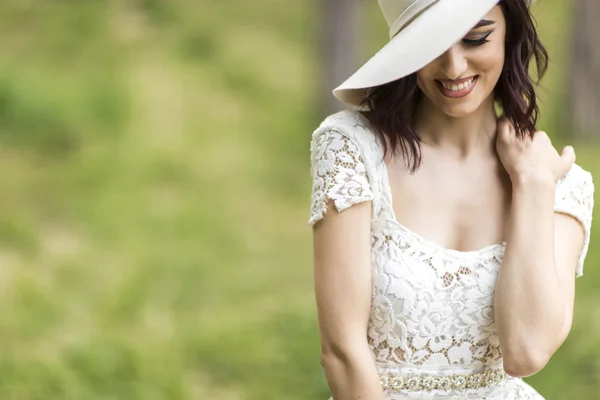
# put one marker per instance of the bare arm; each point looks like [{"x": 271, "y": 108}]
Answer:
[
  {"x": 342, "y": 264},
  {"x": 533, "y": 303},
  {"x": 536, "y": 286}
]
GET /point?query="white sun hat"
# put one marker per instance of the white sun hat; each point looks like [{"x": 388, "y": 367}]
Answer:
[{"x": 420, "y": 32}]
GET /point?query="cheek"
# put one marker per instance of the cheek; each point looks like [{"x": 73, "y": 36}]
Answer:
[
  {"x": 426, "y": 77},
  {"x": 492, "y": 62}
]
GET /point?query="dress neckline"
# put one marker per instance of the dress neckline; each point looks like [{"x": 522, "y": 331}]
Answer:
[
  {"x": 422, "y": 240},
  {"x": 429, "y": 243}
]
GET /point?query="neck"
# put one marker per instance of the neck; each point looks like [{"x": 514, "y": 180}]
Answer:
[{"x": 464, "y": 136}]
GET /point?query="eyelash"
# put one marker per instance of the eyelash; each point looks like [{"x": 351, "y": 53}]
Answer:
[{"x": 477, "y": 42}]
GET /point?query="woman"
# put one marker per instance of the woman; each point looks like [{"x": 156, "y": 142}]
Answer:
[{"x": 446, "y": 239}]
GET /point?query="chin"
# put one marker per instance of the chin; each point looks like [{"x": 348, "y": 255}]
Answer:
[{"x": 460, "y": 111}]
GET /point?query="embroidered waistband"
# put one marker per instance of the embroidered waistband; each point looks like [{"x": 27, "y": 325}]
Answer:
[{"x": 415, "y": 382}]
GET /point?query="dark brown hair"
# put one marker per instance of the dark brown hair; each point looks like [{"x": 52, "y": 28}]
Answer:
[{"x": 392, "y": 106}]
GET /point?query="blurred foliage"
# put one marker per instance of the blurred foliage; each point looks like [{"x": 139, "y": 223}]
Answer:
[{"x": 153, "y": 237}]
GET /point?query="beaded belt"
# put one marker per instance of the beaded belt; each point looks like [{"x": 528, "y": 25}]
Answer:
[{"x": 415, "y": 382}]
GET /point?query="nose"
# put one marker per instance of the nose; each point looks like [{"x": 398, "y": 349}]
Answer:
[{"x": 453, "y": 62}]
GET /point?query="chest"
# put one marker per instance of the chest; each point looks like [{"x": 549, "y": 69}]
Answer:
[{"x": 458, "y": 206}]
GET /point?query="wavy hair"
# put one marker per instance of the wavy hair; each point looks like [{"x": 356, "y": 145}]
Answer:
[{"x": 392, "y": 106}]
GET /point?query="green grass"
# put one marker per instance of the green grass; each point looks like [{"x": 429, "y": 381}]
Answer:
[{"x": 154, "y": 197}]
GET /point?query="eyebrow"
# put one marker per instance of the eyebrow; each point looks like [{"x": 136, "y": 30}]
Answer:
[{"x": 484, "y": 22}]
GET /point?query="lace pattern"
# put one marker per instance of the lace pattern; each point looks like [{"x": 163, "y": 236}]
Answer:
[
  {"x": 431, "y": 307},
  {"x": 575, "y": 197},
  {"x": 338, "y": 173}
]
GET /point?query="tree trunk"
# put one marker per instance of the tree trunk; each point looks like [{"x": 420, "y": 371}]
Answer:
[
  {"x": 338, "y": 48},
  {"x": 583, "y": 108}
]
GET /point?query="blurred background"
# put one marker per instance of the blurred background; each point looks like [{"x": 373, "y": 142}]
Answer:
[{"x": 155, "y": 192}]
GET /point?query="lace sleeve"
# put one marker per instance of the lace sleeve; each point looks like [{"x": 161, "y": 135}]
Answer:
[
  {"x": 338, "y": 173},
  {"x": 575, "y": 197}
]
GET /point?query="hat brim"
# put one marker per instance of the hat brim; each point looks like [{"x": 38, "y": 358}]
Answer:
[{"x": 422, "y": 41}]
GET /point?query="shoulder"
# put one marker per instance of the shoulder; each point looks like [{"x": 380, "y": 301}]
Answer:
[
  {"x": 576, "y": 175},
  {"x": 577, "y": 184},
  {"x": 349, "y": 122},
  {"x": 574, "y": 195},
  {"x": 343, "y": 163},
  {"x": 341, "y": 139},
  {"x": 350, "y": 127}
]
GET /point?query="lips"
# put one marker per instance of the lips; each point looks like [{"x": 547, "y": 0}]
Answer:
[
  {"x": 457, "y": 85},
  {"x": 457, "y": 88}
]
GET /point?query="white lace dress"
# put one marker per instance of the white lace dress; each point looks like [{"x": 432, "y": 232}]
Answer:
[{"x": 431, "y": 331}]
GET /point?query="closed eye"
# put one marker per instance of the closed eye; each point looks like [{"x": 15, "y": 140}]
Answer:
[{"x": 477, "y": 42}]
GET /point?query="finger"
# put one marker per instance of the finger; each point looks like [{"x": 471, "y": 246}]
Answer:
[
  {"x": 569, "y": 153},
  {"x": 543, "y": 136},
  {"x": 540, "y": 136},
  {"x": 567, "y": 158},
  {"x": 505, "y": 129}
]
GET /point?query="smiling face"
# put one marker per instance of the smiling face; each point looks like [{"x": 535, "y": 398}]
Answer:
[{"x": 460, "y": 80}]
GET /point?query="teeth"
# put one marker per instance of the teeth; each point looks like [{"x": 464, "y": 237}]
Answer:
[{"x": 455, "y": 88}]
